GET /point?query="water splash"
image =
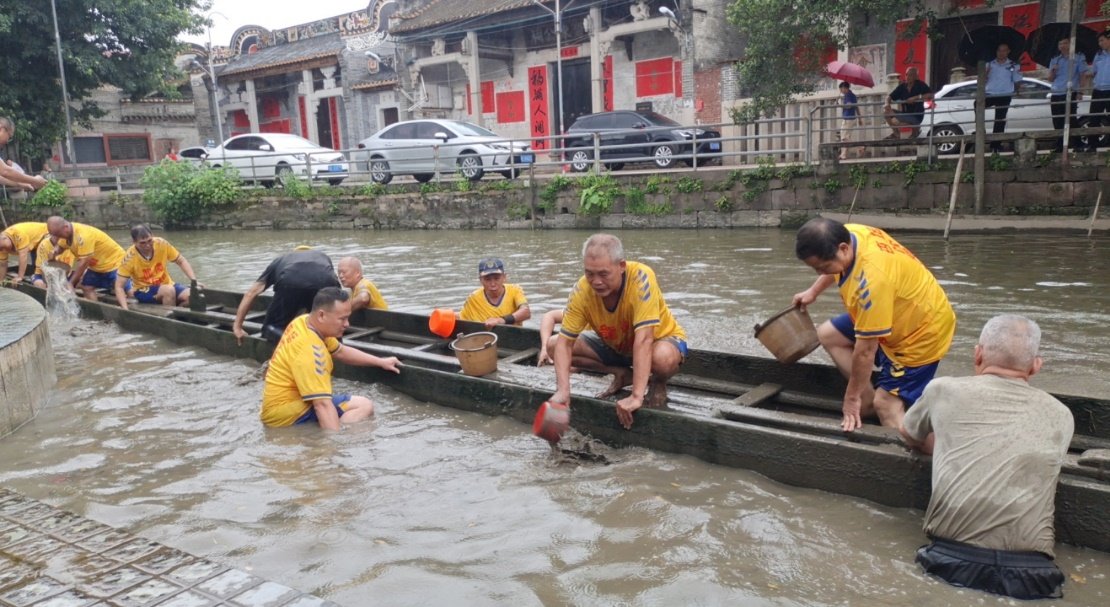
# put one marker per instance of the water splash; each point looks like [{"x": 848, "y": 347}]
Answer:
[{"x": 61, "y": 301}]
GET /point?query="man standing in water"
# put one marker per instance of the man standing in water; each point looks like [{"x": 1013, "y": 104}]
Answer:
[
  {"x": 298, "y": 381},
  {"x": 363, "y": 292},
  {"x": 97, "y": 255},
  {"x": 296, "y": 277},
  {"x": 898, "y": 316},
  {"x": 999, "y": 446},
  {"x": 496, "y": 302},
  {"x": 635, "y": 336}
]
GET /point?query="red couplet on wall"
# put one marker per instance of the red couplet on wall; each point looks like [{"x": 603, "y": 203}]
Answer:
[
  {"x": 538, "y": 109},
  {"x": 510, "y": 107},
  {"x": 1024, "y": 18},
  {"x": 607, "y": 82},
  {"x": 304, "y": 116},
  {"x": 909, "y": 52}
]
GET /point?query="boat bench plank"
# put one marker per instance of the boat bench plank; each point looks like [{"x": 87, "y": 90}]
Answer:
[
  {"x": 519, "y": 356},
  {"x": 807, "y": 424},
  {"x": 404, "y": 353},
  {"x": 757, "y": 396},
  {"x": 363, "y": 333}
]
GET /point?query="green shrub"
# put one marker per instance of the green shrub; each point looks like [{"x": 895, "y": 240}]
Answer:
[
  {"x": 53, "y": 194},
  {"x": 688, "y": 185},
  {"x": 724, "y": 204},
  {"x": 550, "y": 193},
  {"x": 297, "y": 189},
  {"x": 657, "y": 185},
  {"x": 598, "y": 193},
  {"x": 178, "y": 192},
  {"x": 372, "y": 190}
]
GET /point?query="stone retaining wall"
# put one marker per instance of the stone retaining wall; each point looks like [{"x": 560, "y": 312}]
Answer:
[
  {"x": 705, "y": 199},
  {"x": 26, "y": 359}
]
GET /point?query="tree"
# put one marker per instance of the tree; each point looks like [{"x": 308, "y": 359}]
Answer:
[
  {"x": 785, "y": 40},
  {"x": 130, "y": 44}
]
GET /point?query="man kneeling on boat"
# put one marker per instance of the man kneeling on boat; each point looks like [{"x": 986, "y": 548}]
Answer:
[
  {"x": 999, "y": 446},
  {"x": 143, "y": 273},
  {"x": 296, "y": 277},
  {"x": 298, "y": 381},
  {"x": 635, "y": 336}
]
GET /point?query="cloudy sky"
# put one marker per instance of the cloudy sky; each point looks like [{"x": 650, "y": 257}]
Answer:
[{"x": 270, "y": 14}]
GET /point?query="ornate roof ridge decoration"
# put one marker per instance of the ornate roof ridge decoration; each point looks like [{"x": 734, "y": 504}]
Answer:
[
  {"x": 455, "y": 10},
  {"x": 375, "y": 84}
]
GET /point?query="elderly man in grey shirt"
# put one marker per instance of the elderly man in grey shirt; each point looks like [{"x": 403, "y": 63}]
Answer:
[{"x": 999, "y": 446}]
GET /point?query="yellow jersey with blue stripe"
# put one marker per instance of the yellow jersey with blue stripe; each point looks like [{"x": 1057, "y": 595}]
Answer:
[
  {"x": 893, "y": 297},
  {"x": 376, "y": 302},
  {"x": 479, "y": 309},
  {"x": 45, "y": 253},
  {"x": 25, "y": 236},
  {"x": 640, "y": 304},
  {"x": 89, "y": 241},
  {"x": 300, "y": 372},
  {"x": 145, "y": 272}
]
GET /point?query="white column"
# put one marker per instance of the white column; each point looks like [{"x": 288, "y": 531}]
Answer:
[
  {"x": 310, "y": 103},
  {"x": 473, "y": 72},
  {"x": 597, "y": 84},
  {"x": 252, "y": 106}
]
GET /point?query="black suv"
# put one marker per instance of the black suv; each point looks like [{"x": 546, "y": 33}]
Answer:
[{"x": 637, "y": 137}]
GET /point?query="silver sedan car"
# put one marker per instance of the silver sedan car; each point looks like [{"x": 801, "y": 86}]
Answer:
[{"x": 422, "y": 148}]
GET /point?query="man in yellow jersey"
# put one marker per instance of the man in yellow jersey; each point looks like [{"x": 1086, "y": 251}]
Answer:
[
  {"x": 98, "y": 256},
  {"x": 363, "y": 292},
  {"x": 898, "y": 316},
  {"x": 496, "y": 302},
  {"x": 298, "y": 381},
  {"x": 22, "y": 239},
  {"x": 50, "y": 251},
  {"x": 143, "y": 273},
  {"x": 635, "y": 336}
]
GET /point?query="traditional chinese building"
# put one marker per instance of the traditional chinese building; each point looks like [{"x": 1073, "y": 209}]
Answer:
[{"x": 330, "y": 81}]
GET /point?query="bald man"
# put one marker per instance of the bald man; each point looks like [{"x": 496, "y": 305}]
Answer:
[
  {"x": 912, "y": 95},
  {"x": 363, "y": 292}
]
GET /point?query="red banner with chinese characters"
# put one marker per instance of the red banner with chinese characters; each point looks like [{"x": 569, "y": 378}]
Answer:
[
  {"x": 1024, "y": 18},
  {"x": 1091, "y": 11},
  {"x": 537, "y": 106},
  {"x": 655, "y": 77},
  {"x": 607, "y": 83},
  {"x": 910, "y": 48},
  {"x": 487, "y": 97},
  {"x": 510, "y": 107}
]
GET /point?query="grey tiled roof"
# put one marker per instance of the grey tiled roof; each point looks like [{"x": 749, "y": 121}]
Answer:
[
  {"x": 359, "y": 77},
  {"x": 286, "y": 54},
  {"x": 438, "y": 12}
]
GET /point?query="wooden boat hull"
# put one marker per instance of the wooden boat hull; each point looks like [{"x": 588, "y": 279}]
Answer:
[{"x": 792, "y": 436}]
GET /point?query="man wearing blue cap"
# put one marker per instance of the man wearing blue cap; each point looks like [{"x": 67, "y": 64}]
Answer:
[{"x": 496, "y": 303}]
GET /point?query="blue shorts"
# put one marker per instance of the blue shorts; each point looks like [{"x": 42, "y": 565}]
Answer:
[
  {"x": 910, "y": 119},
  {"x": 907, "y": 383},
  {"x": 99, "y": 280},
  {"x": 611, "y": 358},
  {"x": 147, "y": 294},
  {"x": 339, "y": 401}
]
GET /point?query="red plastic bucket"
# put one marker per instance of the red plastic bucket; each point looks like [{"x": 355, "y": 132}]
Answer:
[{"x": 552, "y": 420}]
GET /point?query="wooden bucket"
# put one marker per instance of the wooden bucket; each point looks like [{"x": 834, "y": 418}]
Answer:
[
  {"x": 477, "y": 353},
  {"x": 789, "y": 335}
]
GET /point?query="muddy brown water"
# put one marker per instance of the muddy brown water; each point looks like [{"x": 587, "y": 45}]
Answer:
[{"x": 430, "y": 505}]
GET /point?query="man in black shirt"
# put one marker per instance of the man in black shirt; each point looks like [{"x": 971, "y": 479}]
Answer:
[
  {"x": 296, "y": 277},
  {"x": 912, "y": 95}
]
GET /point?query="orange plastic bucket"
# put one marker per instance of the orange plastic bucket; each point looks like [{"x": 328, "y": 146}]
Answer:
[
  {"x": 552, "y": 420},
  {"x": 442, "y": 322}
]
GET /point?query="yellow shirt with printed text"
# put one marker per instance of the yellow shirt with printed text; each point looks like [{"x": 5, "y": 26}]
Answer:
[
  {"x": 376, "y": 302},
  {"x": 300, "y": 372},
  {"x": 641, "y": 304},
  {"x": 88, "y": 241},
  {"x": 479, "y": 309},
  {"x": 145, "y": 272},
  {"x": 24, "y": 236},
  {"x": 892, "y": 296},
  {"x": 45, "y": 253}
]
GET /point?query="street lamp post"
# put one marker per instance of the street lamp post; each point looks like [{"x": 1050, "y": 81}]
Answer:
[
  {"x": 65, "y": 92},
  {"x": 558, "y": 14}
]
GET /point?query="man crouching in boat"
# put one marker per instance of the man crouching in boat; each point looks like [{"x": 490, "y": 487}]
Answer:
[
  {"x": 143, "y": 273},
  {"x": 898, "y": 316},
  {"x": 298, "y": 382},
  {"x": 634, "y": 336},
  {"x": 999, "y": 446},
  {"x": 296, "y": 277}
]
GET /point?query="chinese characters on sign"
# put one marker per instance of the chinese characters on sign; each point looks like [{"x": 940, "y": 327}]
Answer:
[
  {"x": 909, "y": 47},
  {"x": 607, "y": 82},
  {"x": 1024, "y": 18},
  {"x": 537, "y": 106}
]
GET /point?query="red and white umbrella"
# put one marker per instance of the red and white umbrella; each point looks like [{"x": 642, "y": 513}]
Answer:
[{"x": 849, "y": 72}]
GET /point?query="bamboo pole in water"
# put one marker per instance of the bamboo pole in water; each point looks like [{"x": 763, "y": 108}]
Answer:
[
  {"x": 955, "y": 190},
  {"x": 1094, "y": 215}
]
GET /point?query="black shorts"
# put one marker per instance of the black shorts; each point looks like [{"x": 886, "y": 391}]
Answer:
[
  {"x": 287, "y": 304},
  {"x": 1021, "y": 575}
]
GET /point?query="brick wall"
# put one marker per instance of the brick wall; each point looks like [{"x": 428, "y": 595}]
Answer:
[{"x": 707, "y": 95}]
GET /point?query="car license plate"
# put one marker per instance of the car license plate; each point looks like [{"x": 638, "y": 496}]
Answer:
[
  {"x": 715, "y": 146},
  {"x": 335, "y": 168},
  {"x": 527, "y": 158}
]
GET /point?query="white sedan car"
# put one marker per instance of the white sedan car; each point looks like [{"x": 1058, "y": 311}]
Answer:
[
  {"x": 422, "y": 148},
  {"x": 954, "y": 111},
  {"x": 274, "y": 157}
]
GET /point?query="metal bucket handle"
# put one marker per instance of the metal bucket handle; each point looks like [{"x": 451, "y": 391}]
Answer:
[
  {"x": 485, "y": 346},
  {"x": 759, "y": 327}
]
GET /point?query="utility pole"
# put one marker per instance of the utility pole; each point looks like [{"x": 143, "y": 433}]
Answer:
[{"x": 65, "y": 91}]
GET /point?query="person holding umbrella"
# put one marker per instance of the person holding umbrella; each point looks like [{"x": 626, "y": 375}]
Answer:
[
  {"x": 849, "y": 117},
  {"x": 1002, "y": 75},
  {"x": 1058, "y": 73}
]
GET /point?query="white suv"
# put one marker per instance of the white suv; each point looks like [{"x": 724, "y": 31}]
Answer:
[{"x": 954, "y": 111}]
